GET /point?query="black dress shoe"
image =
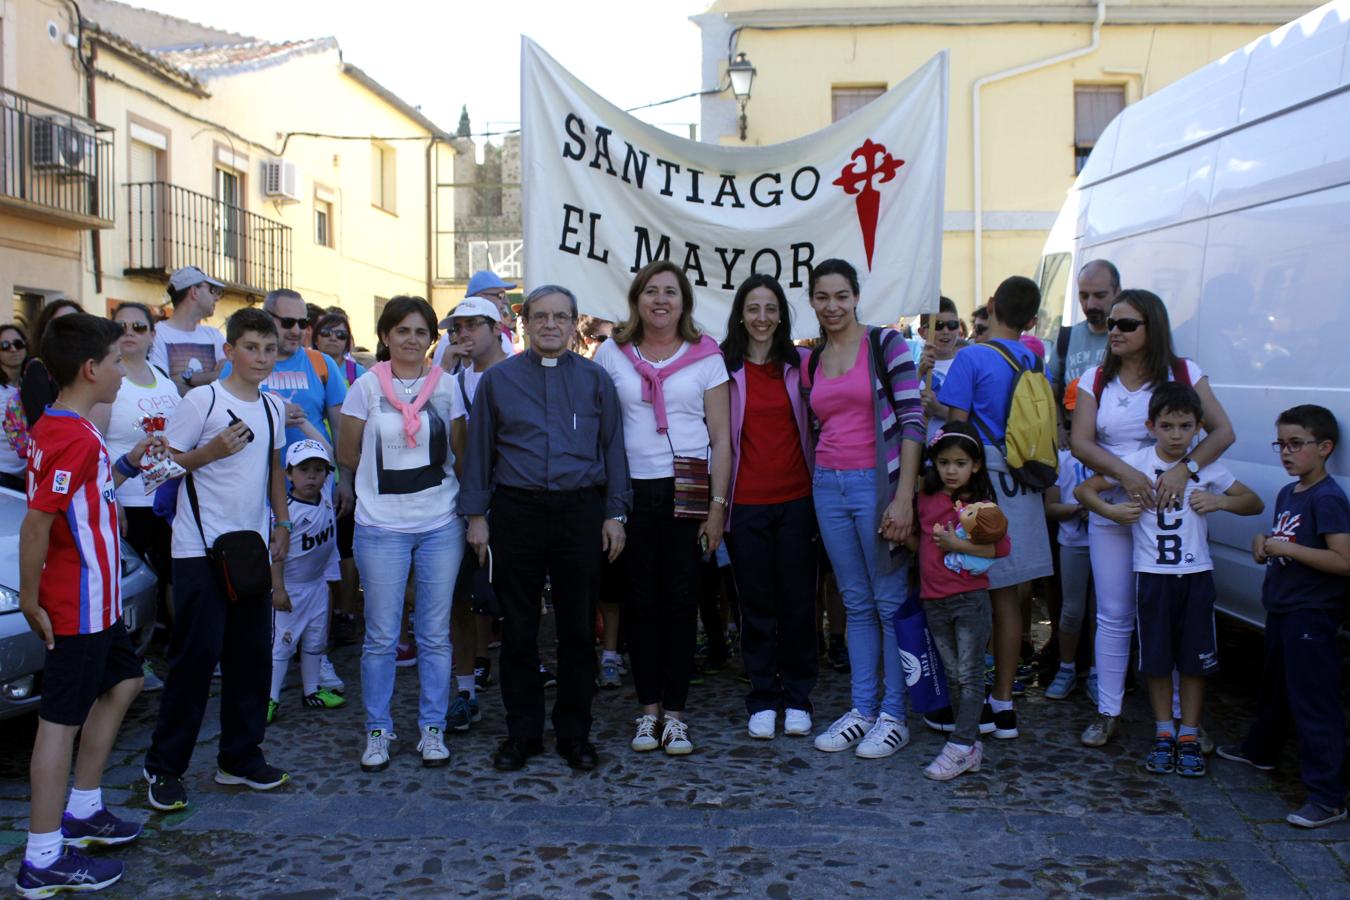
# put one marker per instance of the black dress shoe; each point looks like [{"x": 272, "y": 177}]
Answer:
[
  {"x": 513, "y": 752},
  {"x": 578, "y": 753}
]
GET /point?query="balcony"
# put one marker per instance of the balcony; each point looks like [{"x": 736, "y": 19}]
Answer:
[
  {"x": 169, "y": 227},
  {"x": 54, "y": 166}
]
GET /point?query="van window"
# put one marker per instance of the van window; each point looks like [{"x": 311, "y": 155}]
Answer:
[{"x": 1053, "y": 281}]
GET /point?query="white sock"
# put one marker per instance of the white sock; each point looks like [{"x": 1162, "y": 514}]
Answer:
[
  {"x": 467, "y": 685},
  {"x": 964, "y": 748},
  {"x": 1068, "y": 667},
  {"x": 999, "y": 706},
  {"x": 83, "y": 804},
  {"x": 309, "y": 671},
  {"x": 279, "y": 667},
  {"x": 610, "y": 656},
  {"x": 43, "y": 849}
]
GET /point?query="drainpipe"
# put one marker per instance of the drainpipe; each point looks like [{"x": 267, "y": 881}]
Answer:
[{"x": 977, "y": 165}]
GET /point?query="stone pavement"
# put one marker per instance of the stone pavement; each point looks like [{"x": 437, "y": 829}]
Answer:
[{"x": 1044, "y": 817}]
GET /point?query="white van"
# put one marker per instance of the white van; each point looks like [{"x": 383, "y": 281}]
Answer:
[{"x": 1227, "y": 194}]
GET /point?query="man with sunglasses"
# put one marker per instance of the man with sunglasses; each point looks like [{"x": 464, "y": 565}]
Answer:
[
  {"x": 192, "y": 353},
  {"x": 941, "y": 333}
]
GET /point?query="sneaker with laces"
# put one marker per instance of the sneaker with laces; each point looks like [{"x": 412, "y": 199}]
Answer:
[
  {"x": 1100, "y": 730},
  {"x": 796, "y": 722},
  {"x": 887, "y": 736},
  {"x": 1162, "y": 757},
  {"x": 763, "y": 724},
  {"x": 71, "y": 871},
  {"x": 432, "y": 747},
  {"x": 459, "y": 717},
  {"x": 376, "y": 757},
  {"x": 323, "y": 698},
  {"x": 1190, "y": 758},
  {"x": 152, "y": 682},
  {"x": 328, "y": 676},
  {"x": 1234, "y": 753},
  {"x": 844, "y": 732},
  {"x": 1314, "y": 815},
  {"x": 952, "y": 761},
  {"x": 942, "y": 720},
  {"x": 675, "y": 738},
  {"x": 1005, "y": 724},
  {"x": 264, "y": 778},
  {"x": 609, "y": 675},
  {"x": 1063, "y": 685},
  {"x": 165, "y": 792},
  {"x": 645, "y": 738},
  {"x": 272, "y": 707},
  {"x": 406, "y": 655},
  {"x": 1091, "y": 687},
  {"x": 102, "y": 828}
]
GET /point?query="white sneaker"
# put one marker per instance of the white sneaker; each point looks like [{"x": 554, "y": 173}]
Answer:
[
  {"x": 846, "y": 731},
  {"x": 432, "y": 747},
  {"x": 952, "y": 761},
  {"x": 328, "y": 676},
  {"x": 885, "y": 737},
  {"x": 762, "y": 724},
  {"x": 675, "y": 738},
  {"x": 645, "y": 739},
  {"x": 376, "y": 757},
  {"x": 796, "y": 722}
]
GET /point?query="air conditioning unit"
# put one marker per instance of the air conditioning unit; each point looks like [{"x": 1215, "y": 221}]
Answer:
[
  {"x": 59, "y": 146},
  {"x": 281, "y": 179}
]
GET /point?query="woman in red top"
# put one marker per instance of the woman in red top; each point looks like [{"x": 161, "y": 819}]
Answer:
[{"x": 771, "y": 522}]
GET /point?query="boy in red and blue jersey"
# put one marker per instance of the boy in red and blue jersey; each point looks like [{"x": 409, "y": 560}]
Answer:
[{"x": 70, "y": 592}]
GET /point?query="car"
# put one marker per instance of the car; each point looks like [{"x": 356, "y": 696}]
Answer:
[{"x": 22, "y": 655}]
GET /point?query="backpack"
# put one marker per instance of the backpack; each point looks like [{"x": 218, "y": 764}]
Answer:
[
  {"x": 320, "y": 363},
  {"x": 1062, "y": 354},
  {"x": 1030, "y": 443}
]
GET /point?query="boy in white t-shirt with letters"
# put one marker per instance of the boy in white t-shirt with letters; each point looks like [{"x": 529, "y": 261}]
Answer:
[{"x": 1176, "y": 583}]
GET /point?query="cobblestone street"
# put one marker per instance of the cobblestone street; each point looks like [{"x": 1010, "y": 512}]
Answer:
[{"x": 1044, "y": 817}]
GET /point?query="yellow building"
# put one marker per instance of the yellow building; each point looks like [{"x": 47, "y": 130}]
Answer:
[
  {"x": 1032, "y": 86},
  {"x": 265, "y": 164}
]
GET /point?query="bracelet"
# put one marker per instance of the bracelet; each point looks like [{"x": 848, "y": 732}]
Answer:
[
  {"x": 721, "y": 500},
  {"x": 283, "y": 523},
  {"x": 126, "y": 467}
]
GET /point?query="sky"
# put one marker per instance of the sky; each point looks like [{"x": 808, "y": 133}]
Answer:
[{"x": 443, "y": 54}]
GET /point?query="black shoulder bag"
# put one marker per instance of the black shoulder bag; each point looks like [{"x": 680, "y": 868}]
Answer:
[{"x": 240, "y": 559}]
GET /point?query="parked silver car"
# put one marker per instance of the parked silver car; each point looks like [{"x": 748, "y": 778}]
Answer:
[{"x": 21, "y": 652}]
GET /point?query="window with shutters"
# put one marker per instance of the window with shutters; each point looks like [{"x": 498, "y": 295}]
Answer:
[
  {"x": 1094, "y": 106},
  {"x": 844, "y": 100}
]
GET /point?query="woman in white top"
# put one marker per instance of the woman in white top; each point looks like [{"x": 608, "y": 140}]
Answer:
[
  {"x": 1108, "y": 423},
  {"x": 672, "y": 386},
  {"x": 145, "y": 391},
  {"x": 14, "y": 443},
  {"x": 402, "y": 432}
]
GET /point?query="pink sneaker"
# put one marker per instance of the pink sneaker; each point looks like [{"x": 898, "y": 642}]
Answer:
[
  {"x": 952, "y": 761},
  {"x": 406, "y": 656}
]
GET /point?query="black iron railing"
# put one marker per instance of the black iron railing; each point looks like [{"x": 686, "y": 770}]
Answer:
[
  {"x": 54, "y": 165},
  {"x": 169, "y": 227}
]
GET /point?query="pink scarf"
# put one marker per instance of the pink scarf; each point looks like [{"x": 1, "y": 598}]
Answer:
[
  {"x": 653, "y": 379},
  {"x": 411, "y": 422}
]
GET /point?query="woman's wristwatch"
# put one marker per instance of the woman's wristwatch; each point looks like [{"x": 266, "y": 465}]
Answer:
[{"x": 721, "y": 500}]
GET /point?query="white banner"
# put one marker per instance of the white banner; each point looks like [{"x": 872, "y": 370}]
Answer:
[{"x": 605, "y": 193}]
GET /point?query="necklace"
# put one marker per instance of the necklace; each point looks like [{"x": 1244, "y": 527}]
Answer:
[
  {"x": 407, "y": 385},
  {"x": 649, "y": 357}
]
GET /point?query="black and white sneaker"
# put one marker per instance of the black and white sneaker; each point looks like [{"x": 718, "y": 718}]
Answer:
[
  {"x": 1005, "y": 724},
  {"x": 166, "y": 792},
  {"x": 887, "y": 736},
  {"x": 265, "y": 778},
  {"x": 941, "y": 720},
  {"x": 844, "y": 732},
  {"x": 987, "y": 725}
]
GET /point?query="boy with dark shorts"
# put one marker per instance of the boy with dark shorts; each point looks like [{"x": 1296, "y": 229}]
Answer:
[
  {"x": 1176, "y": 575},
  {"x": 1307, "y": 560},
  {"x": 70, "y": 571}
]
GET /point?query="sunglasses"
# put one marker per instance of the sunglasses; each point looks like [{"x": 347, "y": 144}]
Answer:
[
  {"x": 1293, "y": 446},
  {"x": 16, "y": 344},
  {"x": 215, "y": 291},
  {"x": 459, "y": 325},
  {"x": 599, "y": 338},
  {"x": 946, "y": 326},
  {"x": 1124, "y": 326},
  {"x": 980, "y": 329},
  {"x": 138, "y": 327},
  {"x": 334, "y": 334},
  {"x": 287, "y": 322}
]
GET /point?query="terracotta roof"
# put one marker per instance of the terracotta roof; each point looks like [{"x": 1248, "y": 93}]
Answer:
[{"x": 214, "y": 60}]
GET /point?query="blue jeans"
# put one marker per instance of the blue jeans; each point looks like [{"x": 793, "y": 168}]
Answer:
[
  {"x": 846, "y": 510},
  {"x": 384, "y": 559}
]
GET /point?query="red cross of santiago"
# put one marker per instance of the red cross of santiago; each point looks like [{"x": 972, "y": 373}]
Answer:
[{"x": 869, "y": 166}]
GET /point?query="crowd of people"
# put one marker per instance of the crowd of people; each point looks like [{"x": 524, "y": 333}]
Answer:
[{"x": 437, "y": 492}]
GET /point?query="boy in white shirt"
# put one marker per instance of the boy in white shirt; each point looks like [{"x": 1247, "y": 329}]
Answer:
[
  {"x": 1176, "y": 582},
  {"x": 299, "y": 584}
]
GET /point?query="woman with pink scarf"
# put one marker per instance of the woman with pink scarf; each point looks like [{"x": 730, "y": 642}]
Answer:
[
  {"x": 402, "y": 432},
  {"x": 672, "y": 386}
]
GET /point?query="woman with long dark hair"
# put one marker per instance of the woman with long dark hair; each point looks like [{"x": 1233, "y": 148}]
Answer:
[
  {"x": 866, "y": 466},
  {"x": 772, "y": 540},
  {"x": 672, "y": 390},
  {"x": 1108, "y": 423},
  {"x": 14, "y": 445},
  {"x": 37, "y": 388}
]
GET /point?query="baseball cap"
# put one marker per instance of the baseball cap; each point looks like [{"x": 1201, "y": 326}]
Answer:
[
  {"x": 308, "y": 448},
  {"x": 188, "y": 276},
  {"x": 470, "y": 307},
  {"x": 485, "y": 281}
]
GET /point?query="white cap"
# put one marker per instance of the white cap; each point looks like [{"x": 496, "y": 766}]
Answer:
[
  {"x": 470, "y": 307},
  {"x": 307, "y": 448}
]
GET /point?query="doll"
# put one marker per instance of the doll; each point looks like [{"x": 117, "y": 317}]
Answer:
[{"x": 980, "y": 523}]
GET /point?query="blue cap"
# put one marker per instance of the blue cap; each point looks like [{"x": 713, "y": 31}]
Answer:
[{"x": 485, "y": 281}]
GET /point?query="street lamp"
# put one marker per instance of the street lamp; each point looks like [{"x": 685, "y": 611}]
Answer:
[{"x": 742, "y": 75}]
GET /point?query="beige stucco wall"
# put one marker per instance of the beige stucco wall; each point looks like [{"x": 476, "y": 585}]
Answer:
[{"x": 1027, "y": 121}]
